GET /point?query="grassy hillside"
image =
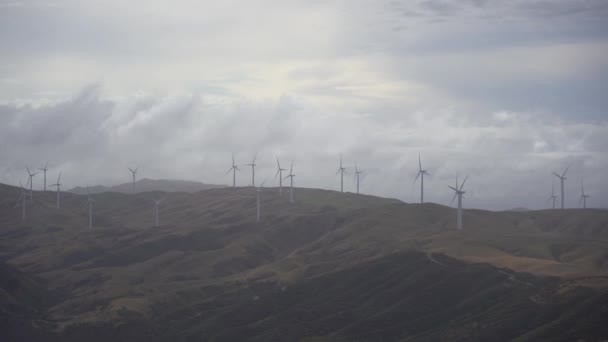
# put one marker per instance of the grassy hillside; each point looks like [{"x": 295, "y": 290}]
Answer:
[{"x": 338, "y": 264}]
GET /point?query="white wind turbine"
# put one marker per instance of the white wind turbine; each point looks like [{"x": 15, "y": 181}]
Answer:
[
  {"x": 291, "y": 175},
  {"x": 31, "y": 176},
  {"x": 553, "y": 197},
  {"x": 58, "y": 185},
  {"x": 357, "y": 176},
  {"x": 341, "y": 171},
  {"x": 156, "y": 205},
  {"x": 234, "y": 169},
  {"x": 44, "y": 169},
  {"x": 252, "y": 164},
  {"x": 458, "y": 193},
  {"x": 90, "y": 201},
  {"x": 421, "y": 174},
  {"x": 562, "y": 178},
  {"x": 584, "y": 197},
  {"x": 280, "y": 174},
  {"x": 133, "y": 172},
  {"x": 258, "y": 192}
]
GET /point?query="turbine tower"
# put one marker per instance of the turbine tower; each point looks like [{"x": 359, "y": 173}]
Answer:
[
  {"x": 253, "y": 170},
  {"x": 31, "y": 176},
  {"x": 22, "y": 200},
  {"x": 280, "y": 174},
  {"x": 258, "y": 191},
  {"x": 58, "y": 185},
  {"x": 291, "y": 175},
  {"x": 421, "y": 174},
  {"x": 584, "y": 197},
  {"x": 134, "y": 172},
  {"x": 562, "y": 178},
  {"x": 43, "y": 169},
  {"x": 234, "y": 169},
  {"x": 458, "y": 193},
  {"x": 90, "y": 201},
  {"x": 553, "y": 197},
  {"x": 156, "y": 205},
  {"x": 357, "y": 176},
  {"x": 341, "y": 171}
]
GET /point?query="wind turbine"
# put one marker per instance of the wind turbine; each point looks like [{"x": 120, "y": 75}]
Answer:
[
  {"x": 134, "y": 172},
  {"x": 31, "y": 175},
  {"x": 291, "y": 175},
  {"x": 357, "y": 174},
  {"x": 58, "y": 185},
  {"x": 421, "y": 174},
  {"x": 584, "y": 197},
  {"x": 253, "y": 170},
  {"x": 156, "y": 205},
  {"x": 43, "y": 169},
  {"x": 234, "y": 169},
  {"x": 90, "y": 201},
  {"x": 553, "y": 196},
  {"x": 562, "y": 178},
  {"x": 258, "y": 191},
  {"x": 280, "y": 174},
  {"x": 458, "y": 193},
  {"x": 341, "y": 171},
  {"x": 22, "y": 199}
]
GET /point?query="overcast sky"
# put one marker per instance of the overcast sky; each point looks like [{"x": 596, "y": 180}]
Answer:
[{"x": 503, "y": 91}]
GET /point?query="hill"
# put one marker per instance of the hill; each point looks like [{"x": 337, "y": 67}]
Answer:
[
  {"x": 332, "y": 266},
  {"x": 146, "y": 185}
]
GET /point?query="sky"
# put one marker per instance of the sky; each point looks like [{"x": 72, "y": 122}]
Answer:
[{"x": 505, "y": 92}]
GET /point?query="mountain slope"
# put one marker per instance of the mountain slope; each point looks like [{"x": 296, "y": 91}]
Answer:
[{"x": 330, "y": 266}]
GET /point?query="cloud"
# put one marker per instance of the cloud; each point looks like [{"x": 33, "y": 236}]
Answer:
[{"x": 191, "y": 135}]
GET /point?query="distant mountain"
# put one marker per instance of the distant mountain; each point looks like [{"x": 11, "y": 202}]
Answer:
[
  {"x": 146, "y": 184},
  {"x": 519, "y": 209}
]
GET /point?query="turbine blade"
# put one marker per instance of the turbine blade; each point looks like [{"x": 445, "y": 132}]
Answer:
[
  {"x": 278, "y": 171},
  {"x": 453, "y": 198},
  {"x": 453, "y": 188},
  {"x": 417, "y": 175},
  {"x": 564, "y": 174},
  {"x": 465, "y": 180},
  {"x": 419, "y": 161},
  {"x": 230, "y": 169},
  {"x": 278, "y": 164},
  {"x": 58, "y": 178}
]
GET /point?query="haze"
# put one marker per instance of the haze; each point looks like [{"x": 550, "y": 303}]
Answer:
[{"x": 505, "y": 92}]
